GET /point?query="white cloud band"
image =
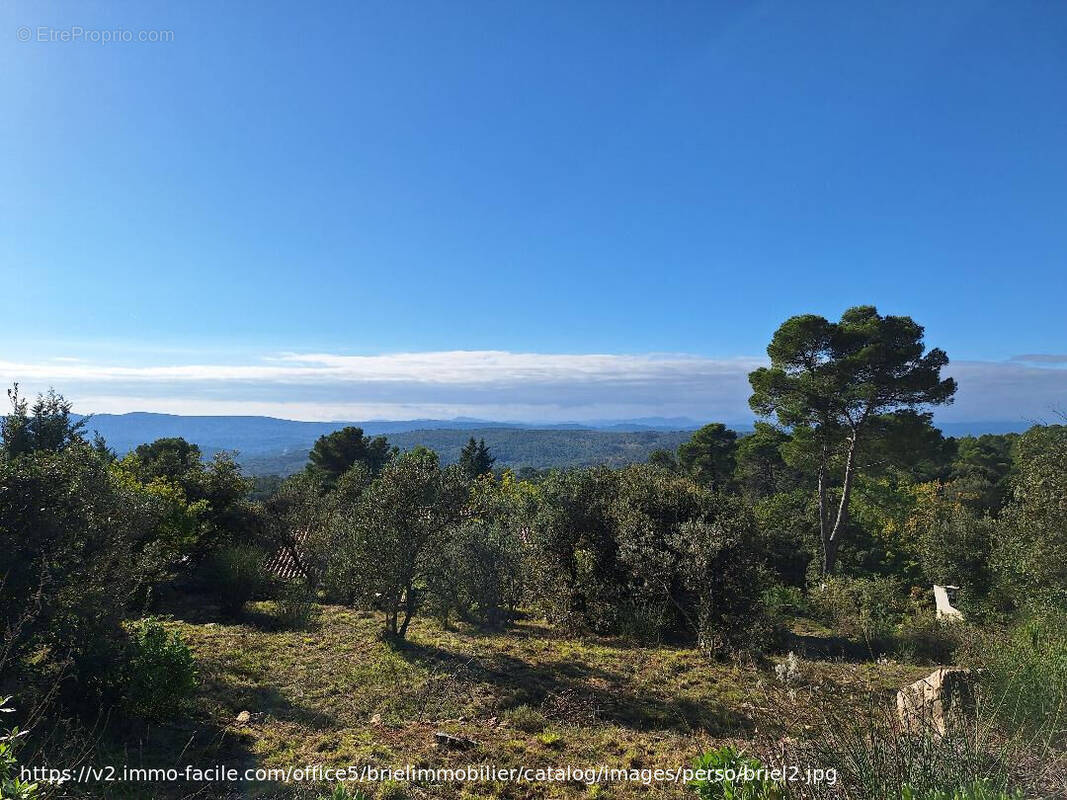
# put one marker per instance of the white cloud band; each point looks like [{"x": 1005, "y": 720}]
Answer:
[{"x": 488, "y": 384}]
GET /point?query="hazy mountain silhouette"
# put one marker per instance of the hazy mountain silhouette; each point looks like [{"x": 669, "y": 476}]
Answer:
[{"x": 269, "y": 444}]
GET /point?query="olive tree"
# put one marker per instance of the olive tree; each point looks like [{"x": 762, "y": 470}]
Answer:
[{"x": 387, "y": 542}]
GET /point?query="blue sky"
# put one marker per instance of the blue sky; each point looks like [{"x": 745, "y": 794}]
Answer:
[{"x": 268, "y": 211}]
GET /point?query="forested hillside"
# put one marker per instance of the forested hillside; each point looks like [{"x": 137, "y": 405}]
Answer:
[
  {"x": 269, "y": 446},
  {"x": 514, "y": 448}
]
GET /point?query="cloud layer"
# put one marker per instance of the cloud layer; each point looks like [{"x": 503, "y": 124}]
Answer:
[{"x": 495, "y": 385}]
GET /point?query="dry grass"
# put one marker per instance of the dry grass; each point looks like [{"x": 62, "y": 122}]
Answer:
[{"x": 338, "y": 695}]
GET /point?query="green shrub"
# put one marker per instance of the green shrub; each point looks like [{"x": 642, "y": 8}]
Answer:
[
  {"x": 11, "y": 785},
  {"x": 386, "y": 542},
  {"x": 647, "y": 552},
  {"x": 235, "y": 575},
  {"x": 1023, "y": 672},
  {"x": 956, "y": 544},
  {"x": 734, "y": 776},
  {"x": 642, "y": 623},
  {"x": 784, "y": 602},
  {"x": 720, "y": 569},
  {"x": 72, "y": 560},
  {"x": 1029, "y": 558},
  {"x": 162, "y": 672},
  {"x": 923, "y": 637},
  {"x": 690, "y": 554},
  {"x": 478, "y": 574},
  {"x": 644, "y": 551},
  {"x": 867, "y": 609},
  {"x": 295, "y": 605},
  {"x": 575, "y": 577}
]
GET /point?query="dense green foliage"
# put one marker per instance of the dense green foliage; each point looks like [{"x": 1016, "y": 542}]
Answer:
[
  {"x": 234, "y": 574},
  {"x": 846, "y": 388},
  {"x": 644, "y": 550},
  {"x": 80, "y": 545},
  {"x": 87, "y": 539},
  {"x": 214, "y": 495},
  {"x": 479, "y": 575},
  {"x": 387, "y": 537},
  {"x": 734, "y": 776},
  {"x": 1030, "y": 547},
  {"x": 1024, "y": 668},
  {"x": 475, "y": 458},
  {"x": 710, "y": 457},
  {"x": 162, "y": 672},
  {"x": 336, "y": 453}
]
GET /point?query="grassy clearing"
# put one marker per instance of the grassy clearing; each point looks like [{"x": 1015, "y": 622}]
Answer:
[{"x": 337, "y": 695}]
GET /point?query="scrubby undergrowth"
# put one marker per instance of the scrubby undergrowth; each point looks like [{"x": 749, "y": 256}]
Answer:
[{"x": 338, "y": 694}]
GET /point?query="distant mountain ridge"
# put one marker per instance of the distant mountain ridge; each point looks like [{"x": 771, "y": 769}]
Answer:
[
  {"x": 269, "y": 445},
  {"x": 272, "y": 445},
  {"x": 252, "y": 434}
]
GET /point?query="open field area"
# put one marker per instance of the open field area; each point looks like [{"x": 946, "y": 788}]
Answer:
[{"x": 337, "y": 695}]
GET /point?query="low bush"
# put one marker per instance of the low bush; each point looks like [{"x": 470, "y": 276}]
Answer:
[
  {"x": 386, "y": 543},
  {"x": 866, "y": 609},
  {"x": 924, "y": 638},
  {"x": 783, "y": 602},
  {"x": 720, "y": 568},
  {"x": 733, "y": 776},
  {"x": 71, "y": 562},
  {"x": 1023, "y": 671},
  {"x": 235, "y": 574},
  {"x": 1029, "y": 558},
  {"x": 955, "y": 547},
  {"x": 645, "y": 552},
  {"x": 295, "y": 606},
  {"x": 162, "y": 672},
  {"x": 11, "y": 784},
  {"x": 478, "y": 574},
  {"x": 642, "y": 623}
]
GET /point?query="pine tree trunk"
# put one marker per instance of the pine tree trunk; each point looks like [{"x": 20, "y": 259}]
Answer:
[
  {"x": 832, "y": 542},
  {"x": 824, "y": 524}
]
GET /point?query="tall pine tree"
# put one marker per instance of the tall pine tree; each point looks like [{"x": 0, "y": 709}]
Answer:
[{"x": 475, "y": 458}]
